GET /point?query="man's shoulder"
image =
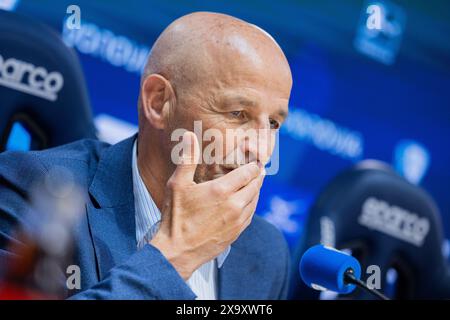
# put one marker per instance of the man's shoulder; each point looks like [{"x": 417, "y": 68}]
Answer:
[
  {"x": 85, "y": 150},
  {"x": 81, "y": 150},
  {"x": 79, "y": 157}
]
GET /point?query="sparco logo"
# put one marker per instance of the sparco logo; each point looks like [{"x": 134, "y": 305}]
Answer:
[
  {"x": 27, "y": 78},
  {"x": 394, "y": 221}
]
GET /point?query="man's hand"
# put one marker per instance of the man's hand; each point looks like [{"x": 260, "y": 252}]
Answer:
[{"x": 201, "y": 220}]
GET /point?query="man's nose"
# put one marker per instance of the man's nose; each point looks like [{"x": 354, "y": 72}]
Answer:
[{"x": 257, "y": 145}]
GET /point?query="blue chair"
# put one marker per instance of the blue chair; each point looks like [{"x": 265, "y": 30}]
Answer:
[
  {"x": 384, "y": 221},
  {"x": 43, "y": 96}
]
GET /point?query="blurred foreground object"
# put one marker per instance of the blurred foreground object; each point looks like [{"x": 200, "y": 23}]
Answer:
[{"x": 45, "y": 242}]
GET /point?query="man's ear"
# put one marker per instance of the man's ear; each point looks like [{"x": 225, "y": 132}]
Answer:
[{"x": 156, "y": 94}]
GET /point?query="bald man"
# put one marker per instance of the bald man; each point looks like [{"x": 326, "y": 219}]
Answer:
[{"x": 161, "y": 224}]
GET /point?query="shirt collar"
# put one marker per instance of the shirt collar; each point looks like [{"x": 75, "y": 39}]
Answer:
[{"x": 147, "y": 213}]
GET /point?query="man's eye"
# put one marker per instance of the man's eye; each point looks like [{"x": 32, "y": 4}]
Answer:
[
  {"x": 237, "y": 114},
  {"x": 274, "y": 124}
]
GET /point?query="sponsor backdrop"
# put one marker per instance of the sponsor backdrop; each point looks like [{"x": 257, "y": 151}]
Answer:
[{"x": 362, "y": 89}]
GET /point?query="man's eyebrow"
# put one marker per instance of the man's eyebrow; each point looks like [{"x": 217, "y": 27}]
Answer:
[
  {"x": 230, "y": 100},
  {"x": 238, "y": 99}
]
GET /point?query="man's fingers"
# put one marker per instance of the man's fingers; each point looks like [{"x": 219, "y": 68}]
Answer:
[
  {"x": 185, "y": 171},
  {"x": 248, "y": 192},
  {"x": 249, "y": 211},
  {"x": 239, "y": 177}
]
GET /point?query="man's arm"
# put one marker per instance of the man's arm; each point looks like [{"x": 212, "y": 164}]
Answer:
[{"x": 145, "y": 275}]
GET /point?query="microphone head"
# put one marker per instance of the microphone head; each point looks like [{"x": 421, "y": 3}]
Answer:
[{"x": 323, "y": 268}]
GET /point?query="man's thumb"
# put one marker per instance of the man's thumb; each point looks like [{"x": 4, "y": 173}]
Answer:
[{"x": 190, "y": 155}]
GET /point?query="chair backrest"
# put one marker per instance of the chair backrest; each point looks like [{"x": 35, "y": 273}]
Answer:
[
  {"x": 43, "y": 96},
  {"x": 385, "y": 222}
]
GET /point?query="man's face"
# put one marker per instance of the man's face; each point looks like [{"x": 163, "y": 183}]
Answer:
[{"x": 239, "y": 114}]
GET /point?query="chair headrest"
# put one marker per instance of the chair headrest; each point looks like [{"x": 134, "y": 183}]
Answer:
[{"x": 41, "y": 84}]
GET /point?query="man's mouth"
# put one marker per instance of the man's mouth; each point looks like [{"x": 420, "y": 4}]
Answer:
[
  {"x": 228, "y": 168},
  {"x": 223, "y": 170}
]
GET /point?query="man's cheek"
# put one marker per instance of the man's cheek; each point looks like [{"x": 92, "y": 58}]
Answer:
[{"x": 265, "y": 151}]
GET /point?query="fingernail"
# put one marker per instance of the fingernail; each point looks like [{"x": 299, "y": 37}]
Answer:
[{"x": 255, "y": 164}]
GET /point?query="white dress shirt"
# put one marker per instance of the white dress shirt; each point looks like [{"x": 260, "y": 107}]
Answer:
[{"x": 203, "y": 281}]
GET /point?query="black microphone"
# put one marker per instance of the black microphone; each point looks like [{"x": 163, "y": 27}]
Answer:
[{"x": 325, "y": 268}]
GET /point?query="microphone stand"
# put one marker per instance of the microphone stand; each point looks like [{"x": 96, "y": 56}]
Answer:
[{"x": 349, "y": 277}]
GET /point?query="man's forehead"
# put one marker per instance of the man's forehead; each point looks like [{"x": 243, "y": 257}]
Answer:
[
  {"x": 202, "y": 46},
  {"x": 253, "y": 98},
  {"x": 251, "y": 94}
]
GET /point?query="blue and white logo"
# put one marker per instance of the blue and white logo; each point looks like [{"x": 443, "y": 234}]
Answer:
[
  {"x": 411, "y": 160},
  {"x": 380, "y": 31},
  {"x": 9, "y": 5},
  {"x": 118, "y": 50}
]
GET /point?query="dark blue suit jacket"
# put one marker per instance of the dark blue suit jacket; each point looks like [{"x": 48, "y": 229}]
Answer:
[{"x": 111, "y": 267}]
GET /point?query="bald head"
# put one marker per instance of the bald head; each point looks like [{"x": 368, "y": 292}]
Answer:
[{"x": 202, "y": 45}]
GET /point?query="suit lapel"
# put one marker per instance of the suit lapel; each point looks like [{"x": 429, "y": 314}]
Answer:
[
  {"x": 111, "y": 214},
  {"x": 241, "y": 272}
]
